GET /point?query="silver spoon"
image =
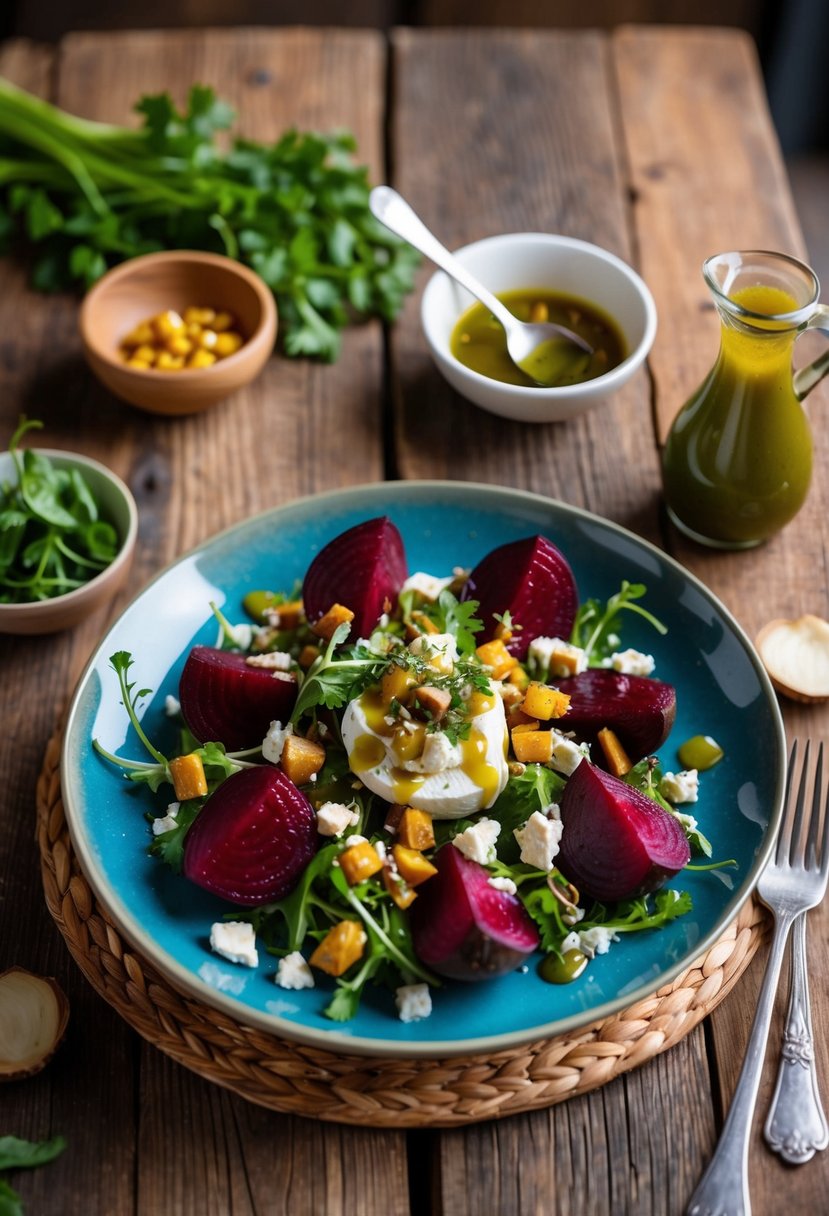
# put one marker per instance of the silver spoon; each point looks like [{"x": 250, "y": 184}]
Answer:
[{"x": 530, "y": 344}]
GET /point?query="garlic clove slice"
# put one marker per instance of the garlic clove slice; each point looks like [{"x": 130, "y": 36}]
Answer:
[
  {"x": 796, "y": 656},
  {"x": 33, "y": 1016}
]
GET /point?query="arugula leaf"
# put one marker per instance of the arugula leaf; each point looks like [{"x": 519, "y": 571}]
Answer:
[
  {"x": 331, "y": 682},
  {"x": 596, "y": 624},
  {"x": 633, "y": 915},
  {"x": 169, "y": 846}
]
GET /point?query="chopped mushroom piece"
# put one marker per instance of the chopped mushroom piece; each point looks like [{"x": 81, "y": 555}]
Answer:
[
  {"x": 796, "y": 656},
  {"x": 33, "y": 1016}
]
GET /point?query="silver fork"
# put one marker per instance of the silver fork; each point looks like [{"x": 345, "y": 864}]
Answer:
[{"x": 793, "y": 881}]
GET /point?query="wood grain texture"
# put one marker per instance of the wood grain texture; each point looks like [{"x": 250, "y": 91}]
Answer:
[{"x": 543, "y": 165}]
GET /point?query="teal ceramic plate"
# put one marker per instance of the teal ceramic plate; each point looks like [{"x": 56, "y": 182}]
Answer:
[{"x": 722, "y": 691}]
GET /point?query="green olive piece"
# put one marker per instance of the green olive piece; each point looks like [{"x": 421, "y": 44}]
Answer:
[
  {"x": 257, "y": 603},
  {"x": 700, "y": 752},
  {"x": 562, "y": 970}
]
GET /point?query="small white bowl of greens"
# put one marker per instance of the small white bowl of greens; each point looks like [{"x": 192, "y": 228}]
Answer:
[{"x": 68, "y": 527}]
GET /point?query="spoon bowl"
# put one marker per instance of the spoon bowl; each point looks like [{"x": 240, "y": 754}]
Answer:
[{"x": 532, "y": 346}]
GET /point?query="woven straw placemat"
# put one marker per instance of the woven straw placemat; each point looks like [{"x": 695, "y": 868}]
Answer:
[{"x": 302, "y": 1080}]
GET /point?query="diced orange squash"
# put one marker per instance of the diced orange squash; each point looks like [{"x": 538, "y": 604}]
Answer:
[
  {"x": 288, "y": 615},
  {"x": 301, "y": 758},
  {"x": 518, "y": 678},
  {"x": 308, "y": 655},
  {"x": 434, "y": 701},
  {"x": 528, "y": 724},
  {"x": 503, "y": 632},
  {"x": 532, "y": 746},
  {"x": 393, "y": 817},
  {"x": 398, "y": 888},
  {"x": 359, "y": 862},
  {"x": 617, "y": 758},
  {"x": 188, "y": 777},
  {"x": 412, "y": 865},
  {"x": 415, "y": 830},
  {"x": 543, "y": 702},
  {"x": 336, "y": 615},
  {"x": 495, "y": 655},
  {"x": 396, "y": 683},
  {"x": 517, "y": 717},
  {"x": 341, "y": 947}
]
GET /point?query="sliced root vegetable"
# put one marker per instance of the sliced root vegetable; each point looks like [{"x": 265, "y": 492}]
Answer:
[
  {"x": 531, "y": 580},
  {"x": 33, "y": 1016},
  {"x": 252, "y": 838},
  {"x": 796, "y": 656},
  {"x": 464, "y": 928},
  {"x": 640, "y": 711},
  {"x": 617, "y": 843},
  {"x": 224, "y": 698},
  {"x": 363, "y": 569}
]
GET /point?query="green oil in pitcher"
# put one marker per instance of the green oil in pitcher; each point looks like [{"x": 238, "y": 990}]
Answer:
[{"x": 738, "y": 459}]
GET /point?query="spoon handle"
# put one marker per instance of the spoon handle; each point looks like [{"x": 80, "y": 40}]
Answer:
[{"x": 392, "y": 210}]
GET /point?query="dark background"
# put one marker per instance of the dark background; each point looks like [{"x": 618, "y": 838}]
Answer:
[{"x": 792, "y": 38}]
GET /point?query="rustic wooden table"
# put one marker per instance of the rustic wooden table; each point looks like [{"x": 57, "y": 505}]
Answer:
[{"x": 654, "y": 143}]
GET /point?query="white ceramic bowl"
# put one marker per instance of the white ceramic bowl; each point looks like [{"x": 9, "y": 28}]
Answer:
[
  {"x": 528, "y": 260},
  {"x": 117, "y": 506}
]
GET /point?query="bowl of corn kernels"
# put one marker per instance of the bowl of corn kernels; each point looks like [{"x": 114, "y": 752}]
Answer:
[{"x": 176, "y": 332}]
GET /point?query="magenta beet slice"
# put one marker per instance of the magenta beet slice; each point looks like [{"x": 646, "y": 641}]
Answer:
[
  {"x": 617, "y": 843},
  {"x": 252, "y": 839},
  {"x": 532, "y": 580},
  {"x": 362, "y": 569},
  {"x": 464, "y": 928},
  {"x": 223, "y": 700},
  {"x": 640, "y": 710}
]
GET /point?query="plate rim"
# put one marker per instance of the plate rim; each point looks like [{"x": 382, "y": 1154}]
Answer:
[{"x": 360, "y": 1045}]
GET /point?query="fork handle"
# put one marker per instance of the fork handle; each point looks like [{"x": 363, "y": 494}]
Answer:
[
  {"x": 796, "y": 1125},
  {"x": 723, "y": 1190}
]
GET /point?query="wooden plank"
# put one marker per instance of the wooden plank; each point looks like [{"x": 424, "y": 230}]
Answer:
[
  {"x": 549, "y": 166},
  {"x": 707, "y": 151},
  {"x": 281, "y": 437}
]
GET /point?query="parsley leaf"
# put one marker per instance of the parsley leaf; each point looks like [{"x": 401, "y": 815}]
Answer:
[{"x": 596, "y": 624}]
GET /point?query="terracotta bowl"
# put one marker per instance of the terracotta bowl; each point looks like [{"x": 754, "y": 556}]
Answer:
[
  {"x": 143, "y": 287},
  {"x": 117, "y": 506}
]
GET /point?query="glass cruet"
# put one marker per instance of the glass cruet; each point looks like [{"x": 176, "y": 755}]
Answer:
[{"x": 738, "y": 458}]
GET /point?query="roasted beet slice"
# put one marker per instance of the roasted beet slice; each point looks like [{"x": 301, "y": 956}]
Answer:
[
  {"x": 640, "y": 710},
  {"x": 224, "y": 700},
  {"x": 617, "y": 843},
  {"x": 464, "y": 928},
  {"x": 363, "y": 569},
  {"x": 532, "y": 580},
  {"x": 252, "y": 839}
]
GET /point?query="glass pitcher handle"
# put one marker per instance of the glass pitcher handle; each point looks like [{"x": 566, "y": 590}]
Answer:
[{"x": 806, "y": 379}]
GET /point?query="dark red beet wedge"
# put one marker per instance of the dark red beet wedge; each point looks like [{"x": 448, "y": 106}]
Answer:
[
  {"x": 532, "y": 580},
  {"x": 463, "y": 928},
  {"x": 616, "y": 843},
  {"x": 640, "y": 710},
  {"x": 252, "y": 839},
  {"x": 224, "y": 700},
  {"x": 363, "y": 569}
]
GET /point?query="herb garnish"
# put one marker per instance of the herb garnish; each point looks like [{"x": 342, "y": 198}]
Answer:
[
  {"x": 596, "y": 623},
  {"x": 17, "y": 1154}
]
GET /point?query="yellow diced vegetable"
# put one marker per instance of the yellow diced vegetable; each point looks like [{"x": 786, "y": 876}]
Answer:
[
  {"x": 301, "y": 759},
  {"x": 146, "y": 353},
  {"x": 398, "y": 889},
  {"x": 412, "y": 865},
  {"x": 166, "y": 324},
  {"x": 308, "y": 655},
  {"x": 207, "y": 339},
  {"x": 227, "y": 344},
  {"x": 543, "y": 702},
  {"x": 199, "y": 316},
  {"x": 415, "y": 830},
  {"x": 169, "y": 363},
  {"x": 617, "y": 758},
  {"x": 532, "y": 746},
  {"x": 179, "y": 345},
  {"x": 396, "y": 683},
  {"x": 336, "y": 615},
  {"x": 341, "y": 947},
  {"x": 188, "y": 777},
  {"x": 518, "y": 678},
  {"x": 495, "y": 655},
  {"x": 201, "y": 358},
  {"x": 359, "y": 862}
]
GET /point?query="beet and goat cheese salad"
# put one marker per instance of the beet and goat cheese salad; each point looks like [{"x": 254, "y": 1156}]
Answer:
[{"x": 402, "y": 779}]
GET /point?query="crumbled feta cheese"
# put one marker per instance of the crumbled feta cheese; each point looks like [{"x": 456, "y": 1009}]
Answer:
[
  {"x": 438, "y": 754},
  {"x": 274, "y": 660},
  {"x": 352, "y": 841},
  {"x": 238, "y": 635},
  {"x": 539, "y": 840},
  {"x": 440, "y": 648},
  {"x": 556, "y": 657},
  {"x": 427, "y": 585},
  {"x": 596, "y": 940},
  {"x": 413, "y": 1001},
  {"x": 680, "y": 787},
  {"x": 172, "y": 706},
  {"x": 567, "y": 755},
  {"x": 503, "y": 884},
  {"x": 334, "y": 817},
  {"x": 571, "y": 942},
  {"x": 167, "y": 822},
  {"x": 235, "y": 940},
  {"x": 632, "y": 662},
  {"x": 274, "y": 741},
  {"x": 477, "y": 842},
  {"x": 689, "y": 823},
  {"x": 294, "y": 972},
  {"x": 380, "y": 850},
  {"x": 287, "y": 677}
]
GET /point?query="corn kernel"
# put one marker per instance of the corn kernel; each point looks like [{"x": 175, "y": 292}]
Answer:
[
  {"x": 140, "y": 336},
  {"x": 179, "y": 345},
  {"x": 207, "y": 339},
  {"x": 146, "y": 353},
  {"x": 166, "y": 324},
  {"x": 199, "y": 316},
  {"x": 141, "y": 364},
  {"x": 221, "y": 321},
  {"x": 201, "y": 358},
  {"x": 169, "y": 363},
  {"x": 227, "y": 344}
]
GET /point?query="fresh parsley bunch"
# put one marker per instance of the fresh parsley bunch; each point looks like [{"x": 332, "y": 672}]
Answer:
[{"x": 87, "y": 195}]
